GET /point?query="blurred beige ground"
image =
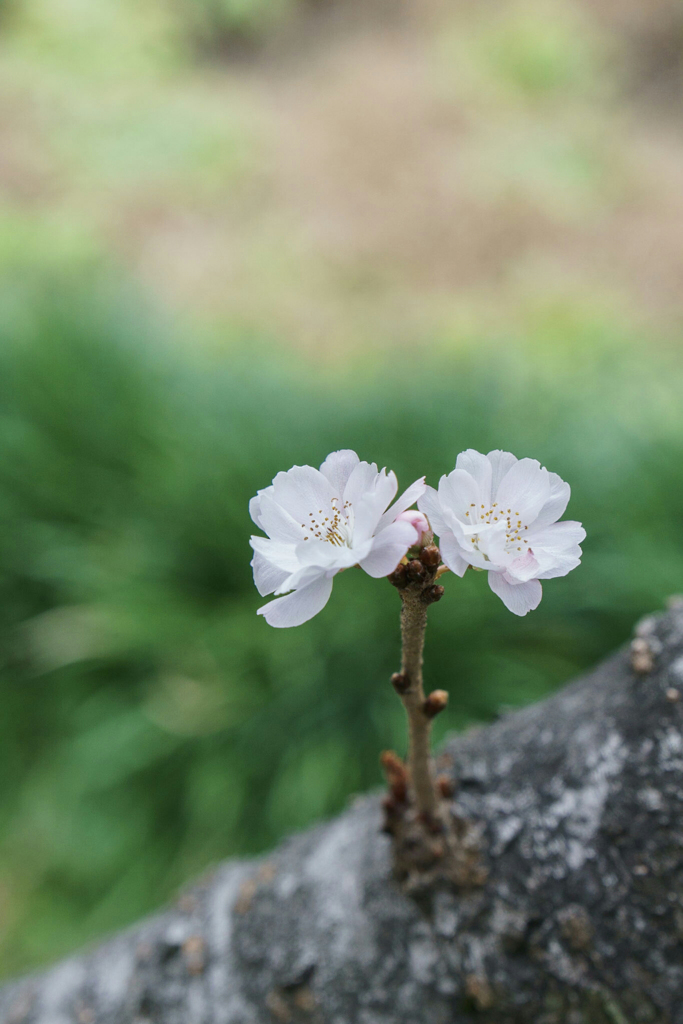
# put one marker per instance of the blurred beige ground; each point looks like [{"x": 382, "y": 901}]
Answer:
[{"x": 366, "y": 176}]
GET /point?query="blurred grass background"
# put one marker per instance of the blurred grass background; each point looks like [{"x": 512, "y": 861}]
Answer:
[{"x": 237, "y": 235}]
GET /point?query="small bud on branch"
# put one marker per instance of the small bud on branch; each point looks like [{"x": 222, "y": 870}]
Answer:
[
  {"x": 446, "y": 787},
  {"x": 397, "y": 776},
  {"x": 433, "y": 594},
  {"x": 400, "y": 682},
  {"x": 430, "y": 556},
  {"x": 399, "y": 578},
  {"x": 416, "y": 570},
  {"x": 419, "y": 521},
  {"x": 435, "y": 703}
]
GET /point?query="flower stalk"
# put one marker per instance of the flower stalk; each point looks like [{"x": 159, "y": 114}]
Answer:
[
  {"x": 410, "y": 688},
  {"x": 430, "y": 842}
]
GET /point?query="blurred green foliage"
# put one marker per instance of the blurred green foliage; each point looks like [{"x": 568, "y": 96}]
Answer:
[{"x": 151, "y": 722}]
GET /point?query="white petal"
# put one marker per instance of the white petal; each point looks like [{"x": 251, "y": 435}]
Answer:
[
  {"x": 490, "y": 551},
  {"x": 501, "y": 462},
  {"x": 367, "y": 508},
  {"x": 557, "y": 548},
  {"x": 556, "y": 503},
  {"x": 299, "y": 607},
  {"x": 520, "y": 598},
  {"x": 338, "y": 467},
  {"x": 365, "y": 514},
  {"x": 304, "y": 575},
  {"x": 385, "y": 488},
  {"x": 323, "y": 555},
  {"x": 431, "y": 506},
  {"x": 255, "y": 510},
  {"x": 524, "y": 489},
  {"x": 282, "y": 556},
  {"x": 451, "y": 552},
  {"x": 479, "y": 468},
  {"x": 362, "y": 481},
  {"x": 300, "y": 491},
  {"x": 557, "y": 536},
  {"x": 278, "y": 523},
  {"x": 524, "y": 568},
  {"x": 267, "y": 576},
  {"x": 408, "y": 498},
  {"x": 388, "y": 549},
  {"x": 255, "y": 505},
  {"x": 459, "y": 493},
  {"x": 561, "y": 565}
]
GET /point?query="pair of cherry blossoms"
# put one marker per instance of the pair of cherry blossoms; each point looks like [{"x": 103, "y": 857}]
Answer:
[{"x": 492, "y": 512}]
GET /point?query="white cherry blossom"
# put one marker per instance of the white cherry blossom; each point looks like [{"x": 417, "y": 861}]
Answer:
[
  {"x": 319, "y": 522},
  {"x": 499, "y": 513}
]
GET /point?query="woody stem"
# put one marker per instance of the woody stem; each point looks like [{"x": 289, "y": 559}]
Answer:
[{"x": 411, "y": 692}]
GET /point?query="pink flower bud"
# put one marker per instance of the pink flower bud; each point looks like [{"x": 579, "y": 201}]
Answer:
[{"x": 419, "y": 521}]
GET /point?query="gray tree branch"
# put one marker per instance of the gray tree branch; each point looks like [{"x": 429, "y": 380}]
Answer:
[{"x": 580, "y": 922}]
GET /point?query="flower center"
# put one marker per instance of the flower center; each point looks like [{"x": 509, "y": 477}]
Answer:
[
  {"x": 335, "y": 528},
  {"x": 514, "y": 527}
]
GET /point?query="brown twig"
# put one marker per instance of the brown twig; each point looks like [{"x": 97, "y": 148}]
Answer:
[
  {"x": 430, "y": 840},
  {"x": 413, "y": 624}
]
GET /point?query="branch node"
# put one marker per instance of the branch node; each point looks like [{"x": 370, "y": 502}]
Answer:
[
  {"x": 430, "y": 556},
  {"x": 400, "y": 682},
  {"x": 416, "y": 571},
  {"x": 433, "y": 594},
  {"x": 446, "y": 787},
  {"x": 399, "y": 578},
  {"x": 397, "y": 778}
]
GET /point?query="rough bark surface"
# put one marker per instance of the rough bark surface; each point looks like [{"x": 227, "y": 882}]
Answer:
[{"x": 580, "y": 922}]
